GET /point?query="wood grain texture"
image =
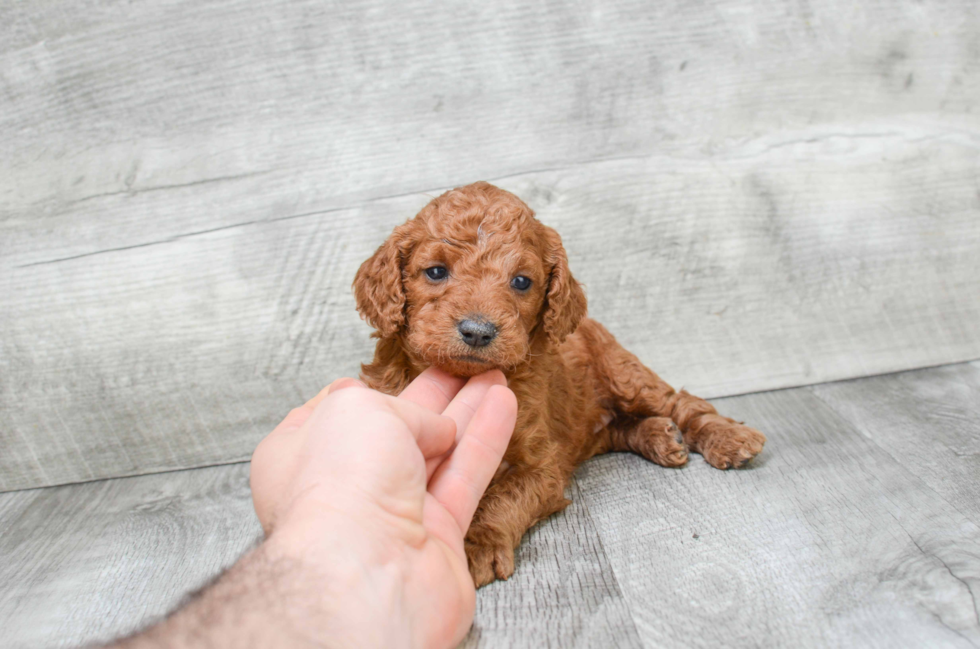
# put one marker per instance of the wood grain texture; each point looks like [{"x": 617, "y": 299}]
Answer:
[
  {"x": 564, "y": 595},
  {"x": 826, "y": 541},
  {"x": 89, "y": 562},
  {"x": 756, "y": 194},
  {"x": 928, "y": 421},
  {"x": 186, "y": 353},
  {"x": 832, "y": 538},
  {"x": 129, "y": 123}
]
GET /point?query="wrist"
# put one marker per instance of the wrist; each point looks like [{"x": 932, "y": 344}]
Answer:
[{"x": 355, "y": 590}]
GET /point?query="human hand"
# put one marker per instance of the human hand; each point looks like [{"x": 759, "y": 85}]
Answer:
[{"x": 357, "y": 487}]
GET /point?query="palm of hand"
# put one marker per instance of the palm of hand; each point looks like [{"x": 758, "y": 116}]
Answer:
[{"x": 391, "y": 482}]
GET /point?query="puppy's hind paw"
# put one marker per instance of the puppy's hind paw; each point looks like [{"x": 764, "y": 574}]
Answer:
[{"x": 727, "y": 444}]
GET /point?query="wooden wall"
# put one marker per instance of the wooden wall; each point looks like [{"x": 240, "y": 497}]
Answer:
[{"x": 757, "y": 194}]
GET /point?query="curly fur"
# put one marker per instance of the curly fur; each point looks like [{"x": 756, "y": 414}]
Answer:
[{"x": 579, "y": 392}]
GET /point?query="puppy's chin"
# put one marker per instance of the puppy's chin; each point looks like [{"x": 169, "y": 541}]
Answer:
[
  {"x": 452, "y": 356},
  {"x": 466, "y": 365}
]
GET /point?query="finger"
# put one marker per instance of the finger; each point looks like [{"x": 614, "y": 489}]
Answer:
[
  {"x": 374, "y": 413},
  {"x": 461, "y": 480},
  {"x": 462, "y": 408},
  {"x": 434, "y": 433},
  {"x": 293, "y": 421},
  {"x": 298, "y": 416},
  {"x": 433, "y": 389},
  {"x": 335, "y": 386}
]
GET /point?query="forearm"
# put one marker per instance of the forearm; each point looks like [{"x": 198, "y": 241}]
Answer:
[{"x": 275, "y": 597}]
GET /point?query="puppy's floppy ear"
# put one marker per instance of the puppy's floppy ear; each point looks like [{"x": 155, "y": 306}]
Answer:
[
  {"x": 564, "y": 305},
  {"x": 378, "y": 285}
]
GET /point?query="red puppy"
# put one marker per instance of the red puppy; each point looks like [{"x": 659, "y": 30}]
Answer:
[{"x": 475, "y": 282}]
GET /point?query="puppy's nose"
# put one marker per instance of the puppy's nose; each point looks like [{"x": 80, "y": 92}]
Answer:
[{"x": 477, "y": 333}]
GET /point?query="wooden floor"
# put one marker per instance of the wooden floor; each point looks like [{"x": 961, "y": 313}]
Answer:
[{"x": 858, "y": 526}]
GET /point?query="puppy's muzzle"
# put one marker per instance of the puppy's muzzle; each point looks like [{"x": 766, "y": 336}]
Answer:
[{"x": 477, "y": 332}]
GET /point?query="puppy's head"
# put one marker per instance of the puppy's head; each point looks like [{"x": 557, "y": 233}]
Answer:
[{"x": 470, "y": 282}]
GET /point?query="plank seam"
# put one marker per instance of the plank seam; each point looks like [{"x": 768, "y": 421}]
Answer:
[
  {"x": 965, "y": 361},
  {"x": 429, "y": 193},
  {"x": 125, "y": 476},
  {"x": 723, "y": 396}
]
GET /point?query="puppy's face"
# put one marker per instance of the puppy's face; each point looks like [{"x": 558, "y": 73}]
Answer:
[
  {"x": 469, "y": 281},
  {"x": 473, "y": 298}
]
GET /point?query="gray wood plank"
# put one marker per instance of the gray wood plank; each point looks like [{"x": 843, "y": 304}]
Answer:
[
  {"x": 83, "y": 563},
  {"x": 93, "y": 561},
  {"x": 928, "y": 421},
  {"x": 826, "y": 541},
  {"x": 565, "y": 593},
  {"x": 224, "y": 331},
  {"x": 756, "y": 195},
  {"x": 123, "y": 127}
]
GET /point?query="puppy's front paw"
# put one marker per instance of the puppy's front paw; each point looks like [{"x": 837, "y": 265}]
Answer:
[
  {"x": 726, "y": 444},
  {"x": 489, "y": 556}
]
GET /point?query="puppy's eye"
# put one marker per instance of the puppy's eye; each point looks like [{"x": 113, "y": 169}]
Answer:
[
  {"x": 437, "y": 273},
  {"x": 521, "y": 283}
]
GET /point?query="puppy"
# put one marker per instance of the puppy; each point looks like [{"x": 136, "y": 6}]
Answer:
[{"x": 475, "y": 282}]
